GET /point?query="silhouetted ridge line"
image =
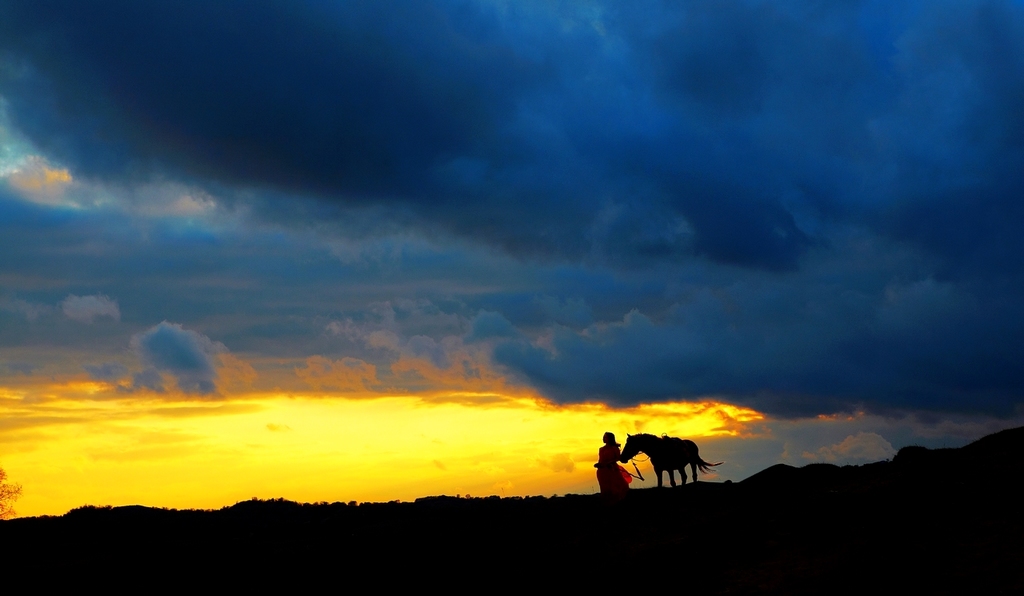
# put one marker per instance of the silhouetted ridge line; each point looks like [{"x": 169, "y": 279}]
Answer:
[
  {"x": 785, "y": 530},
  {"x": 996, "y": 459}
]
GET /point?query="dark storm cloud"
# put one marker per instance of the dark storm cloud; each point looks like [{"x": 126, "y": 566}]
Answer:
[
  {"x": 804, "y": 206},
  {"x": 357, "y": 97},
  {"x": 957, "y": 167},
  {"x": 512, "y": 128},
  {"x": 793, "y": 350}
]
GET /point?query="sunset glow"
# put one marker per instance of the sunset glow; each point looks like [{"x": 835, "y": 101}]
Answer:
[{"x": 314, "y": 448}]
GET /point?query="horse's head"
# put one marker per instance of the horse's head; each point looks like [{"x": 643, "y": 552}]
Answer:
[
  {"x": 631, "y": 448},
  {"x": 637, "y": 443}
]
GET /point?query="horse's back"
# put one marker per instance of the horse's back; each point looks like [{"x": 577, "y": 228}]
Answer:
[
  {"x": 683, "y": 450},
  {"x": 687, "y": 442}
]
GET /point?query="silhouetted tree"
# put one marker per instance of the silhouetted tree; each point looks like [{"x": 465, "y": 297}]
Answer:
[{"x": 9, "y": 493}]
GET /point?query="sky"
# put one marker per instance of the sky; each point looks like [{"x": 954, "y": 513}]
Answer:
[{"x": 377, "y": 250}]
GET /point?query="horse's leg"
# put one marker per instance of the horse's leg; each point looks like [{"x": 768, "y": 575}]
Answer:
[
  {"x": 682, "y": 474},
  {"x": 672, "y": 477},
  {"x": 657, "y": 472},
  {"x": 693, "y": 466}
]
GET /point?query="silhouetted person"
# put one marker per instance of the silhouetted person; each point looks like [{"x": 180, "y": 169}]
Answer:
[{"x": 613, "y": 478}]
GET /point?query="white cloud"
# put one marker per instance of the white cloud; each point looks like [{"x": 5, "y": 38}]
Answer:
[
  {"x": 30, "y": 310},
  {"x": 86, "y": 309},
  {"x": 862, "y": 447}
]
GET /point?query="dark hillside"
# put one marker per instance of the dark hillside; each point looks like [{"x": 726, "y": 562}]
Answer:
[{"x": 931, "y": 521}]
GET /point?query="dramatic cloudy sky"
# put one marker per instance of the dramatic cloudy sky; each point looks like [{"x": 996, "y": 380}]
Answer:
[{"x": 803, "y": 215}]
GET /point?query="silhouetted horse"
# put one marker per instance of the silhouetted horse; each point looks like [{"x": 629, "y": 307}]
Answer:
[{"x": 666, "y": 453}]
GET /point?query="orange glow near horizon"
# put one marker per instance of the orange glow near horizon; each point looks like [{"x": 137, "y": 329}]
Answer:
[{"x": 67, "y": 451}]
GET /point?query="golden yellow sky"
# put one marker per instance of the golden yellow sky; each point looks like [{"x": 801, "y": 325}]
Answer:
[
  {"x": 322, "y": 430},
  {"x": 67, "y": 450}
]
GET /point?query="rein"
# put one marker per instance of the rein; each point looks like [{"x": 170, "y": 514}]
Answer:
[{"x": 638, "y": 475}]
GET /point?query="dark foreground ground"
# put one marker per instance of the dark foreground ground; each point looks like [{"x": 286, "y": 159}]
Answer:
[{"x": 943, "y": 521}]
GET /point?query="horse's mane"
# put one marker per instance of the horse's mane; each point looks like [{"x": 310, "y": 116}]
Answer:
[{"x": 644, "y": 435}]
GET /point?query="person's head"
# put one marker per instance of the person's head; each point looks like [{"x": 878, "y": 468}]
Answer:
[{"x": 609, "y": 439}]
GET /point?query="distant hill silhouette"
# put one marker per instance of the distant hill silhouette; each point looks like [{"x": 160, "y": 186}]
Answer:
[
  {"x": 995, "y": 458},
  {"x": 936, "y": 521}
]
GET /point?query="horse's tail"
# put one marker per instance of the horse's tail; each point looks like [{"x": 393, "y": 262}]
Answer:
[
  {"x": 696, "y": 459},
  {"x": 704, "y": 466}
]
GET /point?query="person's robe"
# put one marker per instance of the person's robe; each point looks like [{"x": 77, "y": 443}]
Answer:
[{"x": 613, "y": 478}]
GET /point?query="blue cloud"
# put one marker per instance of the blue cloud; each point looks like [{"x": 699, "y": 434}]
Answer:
[
  {"x": 186, "y": 355},
  {"x": 487, "y": 325},
  {"x": 109, "y": 371},
  {"x": 918, "y": 346}
]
